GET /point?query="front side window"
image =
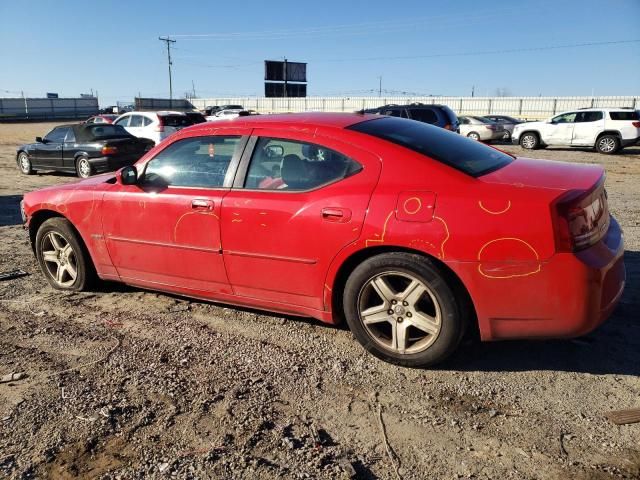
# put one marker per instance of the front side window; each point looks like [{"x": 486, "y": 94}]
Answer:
[
  {"x": 123, "y": 122},
  {"x": 70, "y": 137},
  {"x": 278, "y": 164},
  {"x": 565, "y": 118},
  {"x": 193, "y": 162},
  {"x": 57, "y": 135}
]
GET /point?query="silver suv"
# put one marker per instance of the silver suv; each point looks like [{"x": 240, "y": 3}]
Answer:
[{"x": 606, "y": 129}]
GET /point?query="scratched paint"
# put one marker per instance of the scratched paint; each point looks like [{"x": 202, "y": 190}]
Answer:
[
  {"x": 495, "y": 211},
  {"x": 522, "y": 268}
]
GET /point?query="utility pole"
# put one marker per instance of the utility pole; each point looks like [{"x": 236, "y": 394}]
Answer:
[
  {"x": 193, "y": 85},
  {"x": 285, "y": 76},
  {"x": 169, "y": 42},
  {"x": 473, "y": 90},
  {"x": 380, "y": 86}
]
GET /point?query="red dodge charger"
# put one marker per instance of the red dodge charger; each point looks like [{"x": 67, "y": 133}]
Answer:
[{"x": 410, "y": 233}]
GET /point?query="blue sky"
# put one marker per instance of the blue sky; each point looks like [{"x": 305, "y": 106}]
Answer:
[{"x": 112, "y": 47}]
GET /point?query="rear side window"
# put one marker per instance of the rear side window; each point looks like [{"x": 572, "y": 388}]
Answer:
[
  {"x": 584, "y": 117},
  {"x": 136, "y": 121},
  {"x": 630, "y": 115},
  {"x": 278, "y": 164},
  {"x": 193, "y": 162},
  {"x": 423, "y": 115},
  {"x": 468, "y": 156},
  {"x": 176, "y": 120}
]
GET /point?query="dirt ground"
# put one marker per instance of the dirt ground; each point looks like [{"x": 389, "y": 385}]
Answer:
[{"x": 123, "y": 383}]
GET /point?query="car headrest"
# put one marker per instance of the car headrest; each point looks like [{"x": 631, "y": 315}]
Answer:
[{"x": 294, "y": 171}]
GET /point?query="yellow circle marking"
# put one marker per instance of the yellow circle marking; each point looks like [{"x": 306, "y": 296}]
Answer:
[
  {"x": 494, "y": 212},
  {"x": 416, "y": 210}
]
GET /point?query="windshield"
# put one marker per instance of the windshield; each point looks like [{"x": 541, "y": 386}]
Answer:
[{"x": 468, "y": 156}]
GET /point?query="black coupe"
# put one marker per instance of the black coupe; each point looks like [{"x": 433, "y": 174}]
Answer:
[{"x": 82, "y": 149}]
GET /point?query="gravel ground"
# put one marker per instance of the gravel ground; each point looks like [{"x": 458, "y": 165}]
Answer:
[{"x": 122, "y": 383}]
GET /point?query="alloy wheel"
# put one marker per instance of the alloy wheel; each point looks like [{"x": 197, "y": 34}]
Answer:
[
  {"x": 25, "y": 164},
  {"x": 400, "y": 312},
  {"x": 529, "y": 141},
  {"x": 607, "y": 145},
  {"x": 59, "y": 259},
  {"x": 84, "y": 168}
]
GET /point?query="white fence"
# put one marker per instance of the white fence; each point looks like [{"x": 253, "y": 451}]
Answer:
[
  {"x": 523, "y": 107},
  {"x": 47, "y": 108}
]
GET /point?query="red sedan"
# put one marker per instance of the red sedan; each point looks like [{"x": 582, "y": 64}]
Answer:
[{"x": 410, "y": 233}]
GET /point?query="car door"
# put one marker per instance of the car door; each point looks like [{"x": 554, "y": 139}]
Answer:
[
  {"x": 560, "y": 130},
  {"x": 136, "y": 125},
  {"x": 69, "y": 150},
  {"x": 165, "y": 230},
  {"x": 50, "y": 150},
  {"x": 124, "y": 122},
  {"x": 587, "y": 127},
  {"x": 301, "y": 200}
]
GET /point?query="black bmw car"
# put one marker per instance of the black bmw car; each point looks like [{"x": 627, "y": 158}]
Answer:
[{"x": 82, "y": 149}]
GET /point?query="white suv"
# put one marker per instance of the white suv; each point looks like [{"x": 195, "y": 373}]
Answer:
[
  {"x": 155, "y": 126},
  {"x": 606, "y": 129}
]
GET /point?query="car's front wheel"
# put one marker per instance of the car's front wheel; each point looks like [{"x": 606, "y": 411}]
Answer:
[
  {"x": 530, "y": 141},
  {"x": 83, "y": 167},
  {"x": 63, "y": 259},
  {"x": 401, "y": 308},
  {"x": 608, "y": 144},
  {"x": 24, "y": 163}
]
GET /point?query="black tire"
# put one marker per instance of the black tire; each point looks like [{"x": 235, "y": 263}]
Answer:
[
  {"x": 79, "y": 258},
  {"x": 83, "y": 167},
  {"x": 450, "y": 309},
  {"x": 530, "y": 141},
  {"x": 608, "y": 144},
  {"x": 24, "y": 163},
  {"x": 474, "y": 136}
]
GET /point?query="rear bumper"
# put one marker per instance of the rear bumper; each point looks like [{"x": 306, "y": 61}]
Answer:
[
  {"x": 630, "y": 141},
  {"x": 110, "y": 164},
  {"x": 567, "y": 296}
]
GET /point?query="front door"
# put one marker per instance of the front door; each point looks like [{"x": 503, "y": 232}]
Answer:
[
  {"x": 165, "y": 231},
  {"x": 50, "y": 151},
  {"x": 302, "y": 199},
  {"x": 560, "y": 130}
]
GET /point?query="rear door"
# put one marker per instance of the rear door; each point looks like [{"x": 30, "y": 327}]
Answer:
[
  {"x": 587, "y": 127},
  {"x": 297, "y": 201},
  {"x": 136, "y": 125},
  {"x": 560, "y": 130}
]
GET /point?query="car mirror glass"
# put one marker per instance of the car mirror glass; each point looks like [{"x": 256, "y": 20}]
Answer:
[
  {"x": 127, "y": 175},
  {"x": 39, "y": 140}
]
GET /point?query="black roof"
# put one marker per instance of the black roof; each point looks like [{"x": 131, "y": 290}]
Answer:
[{"x": 87, "y": 133}]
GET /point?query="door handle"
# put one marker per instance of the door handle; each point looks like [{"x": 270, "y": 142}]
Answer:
[
  {"x": 335, "y": 214},
  {"x": 202, "y": 203}
]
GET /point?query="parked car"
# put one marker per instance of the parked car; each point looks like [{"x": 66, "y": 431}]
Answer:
[
  {"x": 104, "y": 118},
  {"x": 226, "y": 114},
  {"x": 411, "y": 233},
  {"x": 210, "y": 110},
  {"x": 195, "y": 117},
  {"x": 155, "y": 126},
  {"x": 82, "y": 149},
  {"x": 608, "y": 130},
  {"x": 507, "y": 123},
  {"x": 480, "y": 128},
  {"x": 439, "y": 115}
]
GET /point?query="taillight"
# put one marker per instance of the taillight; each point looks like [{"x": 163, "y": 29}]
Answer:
[
  {"x": 636, "y": 124},
  {"x": 108, "y": 150},
  {"x": 160, "y": 126},
  {"x": 580, "y": 218},
  {"x": 448, "y": 127}
]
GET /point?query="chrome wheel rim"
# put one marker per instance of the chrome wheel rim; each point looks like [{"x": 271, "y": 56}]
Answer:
[
  {"x": 474, "y": 136},
  {"x": 607, "y": 145},
  {"x": 59, "y": 259},
  {"x": 528, "y": 141},
  {"x": 25, "y": 165},
  {"x": 84, "y": 168},
  {"x": 399, "y": 312}
]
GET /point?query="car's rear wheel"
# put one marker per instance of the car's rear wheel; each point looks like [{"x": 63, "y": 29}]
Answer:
[
  {"x": 63, "y": 259},
  {"x": 24, "y": 163},
  {"x": 530, "y": 141},
  {"x": 474, "y": 136},
  {"x": 401, "y": 308},
  {"x": 83, "y": 167},
  {"x": 608, "y": 144}
]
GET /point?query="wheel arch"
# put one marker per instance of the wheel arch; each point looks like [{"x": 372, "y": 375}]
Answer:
[
  {"x": 41, "y": 216},
  {"x": 356, "y": 258},
  {"x": 609, "y": 132}
]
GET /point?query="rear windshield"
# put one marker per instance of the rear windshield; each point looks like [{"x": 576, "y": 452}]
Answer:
[
  {"x": 461, "y": 153},
  {"x": 176, "y": 120},
  {"x": 101, "y": 131},
  {"x": 629, "y": 115}
]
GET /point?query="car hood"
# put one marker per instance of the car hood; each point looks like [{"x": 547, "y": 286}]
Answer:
[
  {"x": 529, "y": 124},
  {"x": 546, "y": 174},
  {"x": 87, "y": 183}
]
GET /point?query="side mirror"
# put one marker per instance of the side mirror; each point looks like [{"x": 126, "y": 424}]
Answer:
[
  {"x": 39, "y": 140},
  {"x": 127, "y": 175}
]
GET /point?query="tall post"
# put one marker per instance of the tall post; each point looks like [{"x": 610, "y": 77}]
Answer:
[
  {"x": 380, "y": 86},
  {"x": 169, "y": 42},
  {"x": 285, "y": 77}
]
